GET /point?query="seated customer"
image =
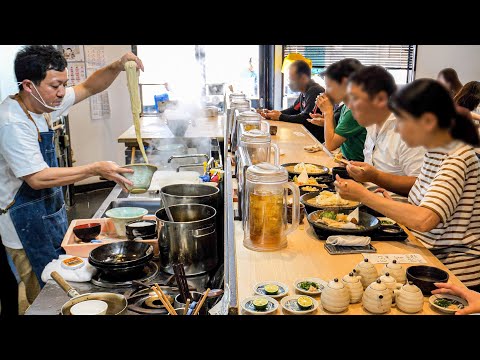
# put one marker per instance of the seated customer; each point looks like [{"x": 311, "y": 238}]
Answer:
[
  {"x": 444, "y": 203},
  {"x": 300, "y": 80},
  {"x": 469, "y": 98},
  {"x": 389, "y": 162},
  {"x": 347, "y": 134}
]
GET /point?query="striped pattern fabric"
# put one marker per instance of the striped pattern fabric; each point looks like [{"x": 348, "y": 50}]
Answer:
[{"x": 448, "y": 185}]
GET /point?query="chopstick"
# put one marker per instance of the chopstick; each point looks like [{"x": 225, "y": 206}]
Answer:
[
  {"x": 164, "y": 299},
  {"x": 187, "y": 304},
  {"x": 346, "y": 162},
  {"x": 132, "y": 157},
  {"x": 185, "y": 283},
  {"x": 200, "y": 303}
]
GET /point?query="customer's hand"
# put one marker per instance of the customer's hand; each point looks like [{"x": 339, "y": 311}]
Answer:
[
  {"x": 273, "y": 115},
  {"x": 384, "y": 192},
  {"x": 317, "y": 119},
  {"x": 471, "y": 296},
  {"x": 324, "y": 103},
  {"x": 350, "y": 189},
  {"x": 111, "y": 171},
  {"x": 131, "y": 57},
  {"x": 361, "y": 171}
]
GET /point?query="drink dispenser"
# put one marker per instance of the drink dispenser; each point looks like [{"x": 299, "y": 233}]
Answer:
[
  {"x": 258, "y": 144},
  {"x": 266, "y": 227}
]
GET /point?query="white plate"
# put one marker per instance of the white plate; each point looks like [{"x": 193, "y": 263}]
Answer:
[
  {"x": 247, "y": 305},
  {"x": 432, "y": 299},
  {"x": 386, "y": 219},
  {"x": 320, "y": 282},
  {"x": 289, "y": 303},
  {"x": 282, "y": 289}
]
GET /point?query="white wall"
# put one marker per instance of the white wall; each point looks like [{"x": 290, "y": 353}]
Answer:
[
  {"x": 95, "y": 140},
  {"x": 463, "y": 58},
  {"x": 8, "y": 81}
]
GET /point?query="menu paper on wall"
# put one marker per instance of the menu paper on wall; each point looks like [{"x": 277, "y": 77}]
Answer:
[
  {"x": 99, "y": 103},
  {"x": 401, "y": 258},
  {"x": 76, "y": 73}
]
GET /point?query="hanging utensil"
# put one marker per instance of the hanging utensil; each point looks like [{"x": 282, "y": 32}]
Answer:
[{"x": 167, "y": 209}]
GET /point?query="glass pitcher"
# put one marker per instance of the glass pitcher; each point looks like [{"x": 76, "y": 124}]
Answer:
[
  {"x": 266, "y": 226},
  {"x": 253, "y": 120},
  {"x": 258, "y": 144},
  {"x": 236, "y": 107}
]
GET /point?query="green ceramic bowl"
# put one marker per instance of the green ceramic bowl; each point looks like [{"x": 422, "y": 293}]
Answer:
[
  {"x": 122, "y": 215},
  {"x": 141, "y": 178}
]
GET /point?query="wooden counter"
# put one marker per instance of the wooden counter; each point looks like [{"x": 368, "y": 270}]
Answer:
[
  {"x": 305, "y": 255},
  {"x": 156, "y": 128}
]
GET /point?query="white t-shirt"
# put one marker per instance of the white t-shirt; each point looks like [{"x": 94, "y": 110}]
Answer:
[
  {"x": 387, "y": 151},
  {"x": 20, "y": 155}
]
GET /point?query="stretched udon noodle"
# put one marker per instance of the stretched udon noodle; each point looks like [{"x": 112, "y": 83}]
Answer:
[{"x": 132, "y": 84}]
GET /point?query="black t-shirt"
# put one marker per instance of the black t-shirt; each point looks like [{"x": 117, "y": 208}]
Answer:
[{"x": 300, "y": 111}]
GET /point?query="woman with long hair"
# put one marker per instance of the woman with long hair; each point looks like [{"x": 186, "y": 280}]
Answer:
[
  {"x": 443, "y": 209},
  {"x": 469, "y": 98}
]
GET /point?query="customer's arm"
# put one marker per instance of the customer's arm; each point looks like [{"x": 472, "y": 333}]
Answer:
[
  {"x": 364, "y": 172},
  {"x": 301, "y": 117},
  {"x": 103, "y": 78},
  {"x": 418, "y": 218},
  {"x": 332, "y": 140}
]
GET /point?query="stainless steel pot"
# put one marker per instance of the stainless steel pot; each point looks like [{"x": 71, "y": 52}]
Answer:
[
  {"x": 191, "y": 239},
  {"x": 191, "y": 194}
]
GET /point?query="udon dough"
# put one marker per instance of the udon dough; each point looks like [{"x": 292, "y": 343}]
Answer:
[{"x": 132, "y": 84}]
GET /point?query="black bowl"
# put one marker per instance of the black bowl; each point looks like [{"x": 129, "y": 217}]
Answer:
[
  {"x": 425, "y": 277},
  {"x": 313, "y": 207},
  {"x": 369, "y": 222},
  {"x": 324, "y": 179},
  {"x": 132, "y": 253},
  {"x": 340, "y": 171},
  {"x": 136, "y": 229},
  {"x": 87, "y": 232}
]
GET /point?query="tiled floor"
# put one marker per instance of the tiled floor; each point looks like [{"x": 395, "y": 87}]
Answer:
[{"x": 86, "y": 204}]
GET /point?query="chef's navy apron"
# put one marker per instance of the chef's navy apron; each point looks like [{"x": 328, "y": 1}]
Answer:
[{"x": 39, "y": 216}]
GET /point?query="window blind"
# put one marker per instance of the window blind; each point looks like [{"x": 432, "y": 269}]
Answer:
[{"x": 394, "y": 57}]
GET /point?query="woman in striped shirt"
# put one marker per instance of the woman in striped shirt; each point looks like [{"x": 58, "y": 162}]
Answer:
[{"x": 444, "y": 203}]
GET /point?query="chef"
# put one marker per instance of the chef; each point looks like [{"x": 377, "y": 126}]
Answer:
[{"x": 33, "y": 220}]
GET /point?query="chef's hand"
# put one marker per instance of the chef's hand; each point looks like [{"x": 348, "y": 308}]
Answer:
[
  {"x": 273, "y": 115},
  {"x": 384, "y": 192},
  {"x": 317, "y": 119},
  {"x": 111, "y": 171},
  {"x": 472, "y": 297},
  {"x": 324, "y": 103},
  {"x": 130, "y": 57},
  {"x": 368, "y": 173},
  {"x": 350, "y": 189}
]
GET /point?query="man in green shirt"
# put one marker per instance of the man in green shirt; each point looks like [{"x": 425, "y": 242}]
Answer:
[{"x": 347, "y": 135}]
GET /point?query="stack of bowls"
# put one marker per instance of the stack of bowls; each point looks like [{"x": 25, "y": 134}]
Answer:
[{"x": 121, "y": 260}]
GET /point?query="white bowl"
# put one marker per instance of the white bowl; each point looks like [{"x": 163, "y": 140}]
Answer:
[
  {"x": 122, "y": 215},
  {"x": 89, "y": 307}
]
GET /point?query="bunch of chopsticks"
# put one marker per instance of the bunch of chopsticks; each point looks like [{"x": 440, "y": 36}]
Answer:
[
  {"x": 181, "y": 279},
  {"x": 163, "y": 298}
]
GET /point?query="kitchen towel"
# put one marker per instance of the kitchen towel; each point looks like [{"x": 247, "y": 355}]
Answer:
[
  {"x": 348, "y": 240},
  {"x": 83, "y": 274}
]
